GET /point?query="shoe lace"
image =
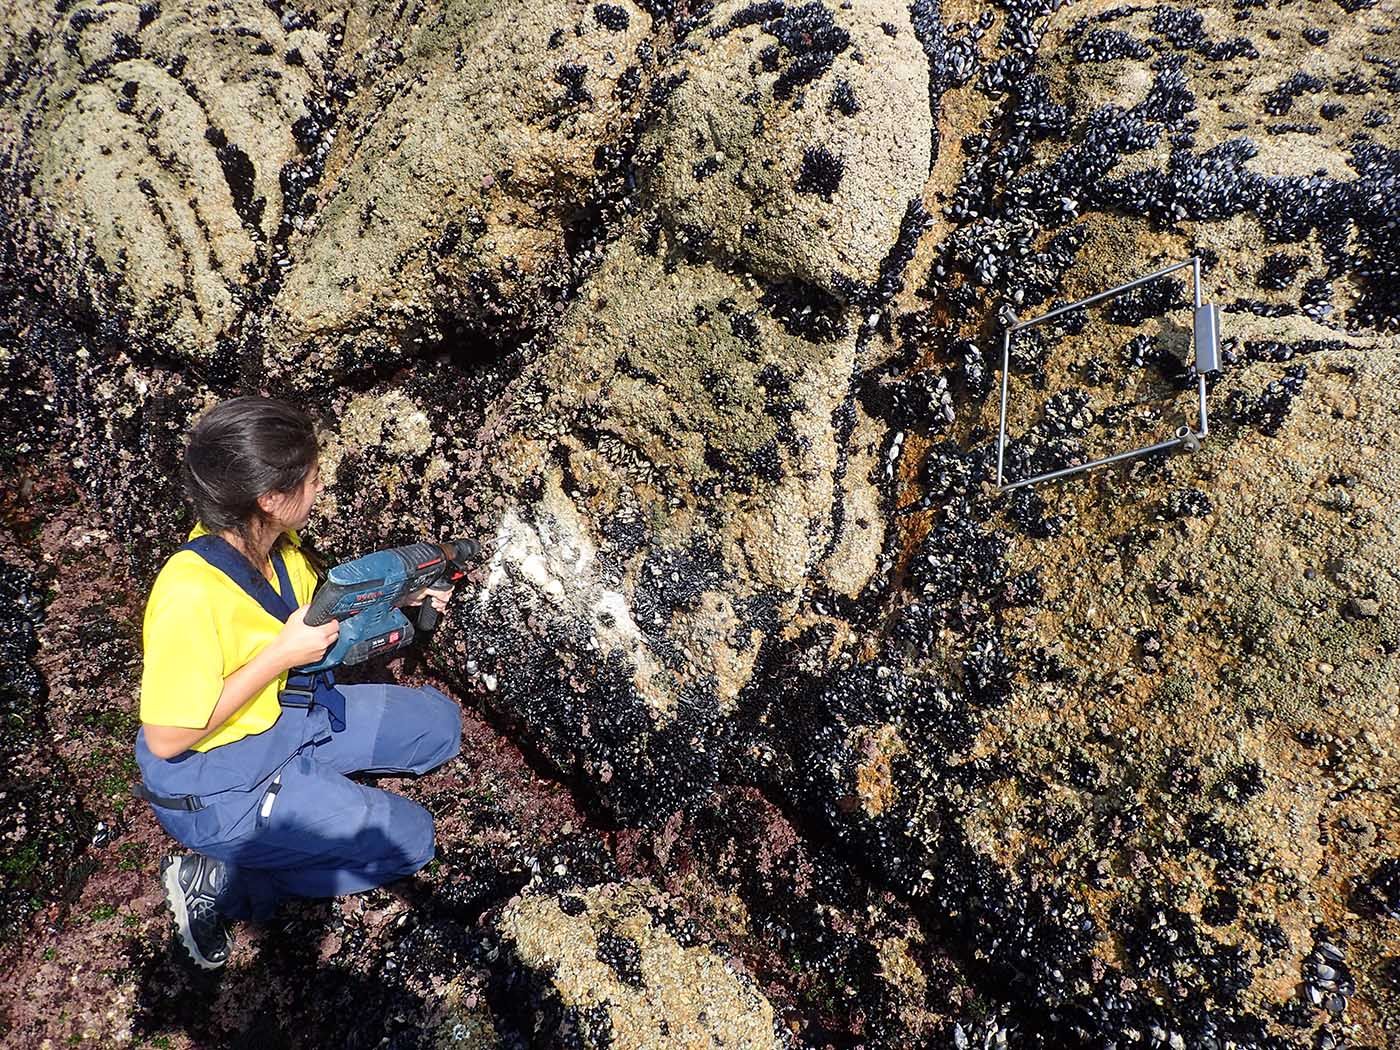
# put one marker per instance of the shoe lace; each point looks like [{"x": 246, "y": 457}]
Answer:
[{"x": 206, "y": 923}]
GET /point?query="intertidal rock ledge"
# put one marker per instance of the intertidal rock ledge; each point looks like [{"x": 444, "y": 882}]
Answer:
[{"x": 691, "y": 313}]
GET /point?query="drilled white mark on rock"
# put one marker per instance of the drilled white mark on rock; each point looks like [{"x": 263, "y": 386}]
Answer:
[{"x": 561, "y": 570}]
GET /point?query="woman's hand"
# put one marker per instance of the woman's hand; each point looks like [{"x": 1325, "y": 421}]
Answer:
[
  {"x": 295, "y": 644},
  {"x": 298, "y": 643},
  {"x": 438, "y": 598}
]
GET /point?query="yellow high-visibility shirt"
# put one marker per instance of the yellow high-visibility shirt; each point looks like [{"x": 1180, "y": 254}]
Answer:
[{"x": 199, "y": 628}]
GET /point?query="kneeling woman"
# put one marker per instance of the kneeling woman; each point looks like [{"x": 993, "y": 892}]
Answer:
[{"x": 251, "y": 775}]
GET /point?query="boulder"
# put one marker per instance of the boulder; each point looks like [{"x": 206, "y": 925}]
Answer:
[
  {"x": 796, "y": 139},
  {"x": 474, "y": 139},
  {"x": 155, "y": 139}
]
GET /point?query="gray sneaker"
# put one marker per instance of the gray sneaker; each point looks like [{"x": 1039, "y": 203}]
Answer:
[{"x": 192, "y": 883}]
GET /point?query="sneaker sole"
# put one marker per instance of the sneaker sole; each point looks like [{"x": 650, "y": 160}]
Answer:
[{"x": 175, "y": 897}]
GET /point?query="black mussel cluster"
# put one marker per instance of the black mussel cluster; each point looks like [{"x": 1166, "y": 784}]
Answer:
[
  {"x": 673, "y": 579},
  {"x": 1327, "y": 982},
  {"x": 807, "y": 41},
  {"x": 960, "y": 569},
  {"x": 820, "y": 172},
  {"x": 922, "y": 402},
  {"x": 1280, "y": 100},
  {"x": 1279, "y": 270},
  {"x": 479, "y": 877},
  {"x": 1105, "y": 45},
  {"x": 950, "y": 470},
  {"x": 44, "y": 830},
  {"x": 611, "y": 16},
  {"x": 581, "y": 714},
  {"x": 1230, "y": 848},
  {"x": 1242, "y": 783},
  {"x": 1275, "y": 351},
  {"x": 843, "y": 99},
  {"x": 805, "y": 310},
  {"x": 890, "y": 281},
  {"x": 1026, "y": 509},
  {"x": 1268, "y": 409},
  {"x": 1186, "y": 503},
  {"x": 1383, "y": 887},
  {"x": 622, "y": 955},
  {"x": 1166, "y": 944}
]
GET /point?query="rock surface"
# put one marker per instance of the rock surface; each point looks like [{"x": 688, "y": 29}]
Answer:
[
  {"x": 795, "y": 140},
  {"x": 622, "y": 980},
  {"x": 469, "y": 148},
  {"x": 155, "y": 136},
  {"x": 692, "y": 313}
]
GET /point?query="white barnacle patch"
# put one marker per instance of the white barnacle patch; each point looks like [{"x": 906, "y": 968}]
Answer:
[
  {"x": 535, "y": 569},
  {"x": 554, "y": 558}
]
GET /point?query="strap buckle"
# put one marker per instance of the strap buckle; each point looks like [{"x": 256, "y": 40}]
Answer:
[
  {"x": 188, "y": 803},
  {"x": 305, "y": 696}
]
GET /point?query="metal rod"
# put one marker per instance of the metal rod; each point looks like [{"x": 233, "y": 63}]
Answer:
[
  {"x": 1185, "y": 436},
  {"x": 1200, "y": 379},
  {"x": 1005, "y": 377},
  {"x": 1104, "y": 295},
  {"x": 1066, "y": 471}
]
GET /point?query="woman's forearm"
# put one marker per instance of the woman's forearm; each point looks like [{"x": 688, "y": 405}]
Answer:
[{"x": 239, "y": 687}]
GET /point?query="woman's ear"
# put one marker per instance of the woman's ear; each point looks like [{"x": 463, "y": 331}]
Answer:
[{"x": 270, "y": 502}]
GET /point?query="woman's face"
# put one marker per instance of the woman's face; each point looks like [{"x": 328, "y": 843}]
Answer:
[{"x": 292, "y": 510}]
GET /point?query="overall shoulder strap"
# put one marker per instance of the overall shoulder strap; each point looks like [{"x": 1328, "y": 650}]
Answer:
[
  {"x": 219, "y": 553},
  {"x": 318, "y": 688},
  {"x": 284, "y": 581}
]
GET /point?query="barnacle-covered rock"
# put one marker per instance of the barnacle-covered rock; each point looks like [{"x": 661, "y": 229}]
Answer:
[
  {"x": 379, "y": 463},
  {"x": 764, "y": 169},
  {"x": 663, "y": 487},
  {"x": 1135, "y": 695},
  {"x": 155, "y": 138},
  {"x": 598, "y": 969},
  {"x": 669, "y": 473},
  {"x": 473, "y": 141}
]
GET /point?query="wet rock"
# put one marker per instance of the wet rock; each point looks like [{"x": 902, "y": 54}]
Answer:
[{"x": 44, "y": 828}]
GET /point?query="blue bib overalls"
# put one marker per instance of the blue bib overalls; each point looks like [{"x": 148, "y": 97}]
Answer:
[{"x": 279, "y": 809}]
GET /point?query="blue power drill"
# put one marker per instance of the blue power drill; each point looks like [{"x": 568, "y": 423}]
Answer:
[{"x": 365, "y": 595}]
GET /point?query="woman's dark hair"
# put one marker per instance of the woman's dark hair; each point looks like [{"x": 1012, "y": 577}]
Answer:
[{"x": 241, "y": 449}]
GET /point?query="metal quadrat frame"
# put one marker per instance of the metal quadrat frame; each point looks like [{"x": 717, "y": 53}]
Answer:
[{"x": 1206, "y": 342}]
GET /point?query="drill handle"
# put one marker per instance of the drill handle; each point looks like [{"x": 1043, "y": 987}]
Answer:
[
  {"x": 427, "y": 615},
  {"x": 324, "y": 602},
  {"x": 461, "y": 551}
]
